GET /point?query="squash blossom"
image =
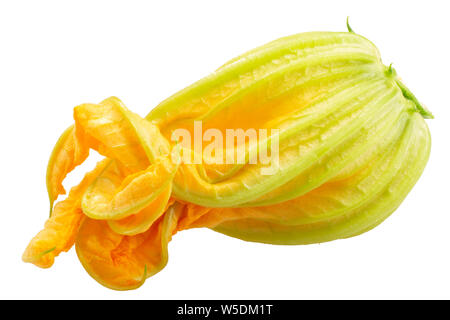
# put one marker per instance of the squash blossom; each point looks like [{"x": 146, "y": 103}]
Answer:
[{"x": 349, "y": 138}]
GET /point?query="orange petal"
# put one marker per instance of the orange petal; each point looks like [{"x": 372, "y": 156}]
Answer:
[
  {"x": 124, "y": 262},
  {"x": 61, "y": 228},
  {"x": 66, "y": 155},
  {"x": 117, "y": 133},
  {"x": 112, "y": 197},
  {"x": 142, "y": 221}
]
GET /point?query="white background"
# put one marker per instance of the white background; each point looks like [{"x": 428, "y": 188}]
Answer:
[{"x": 55, "y": 55}]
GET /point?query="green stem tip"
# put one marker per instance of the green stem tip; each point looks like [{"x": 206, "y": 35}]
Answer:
[
  {"x": 426, "y": 114},
  {"x": 348, "y": 26},
  {"x": 390, "y": 72}
]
